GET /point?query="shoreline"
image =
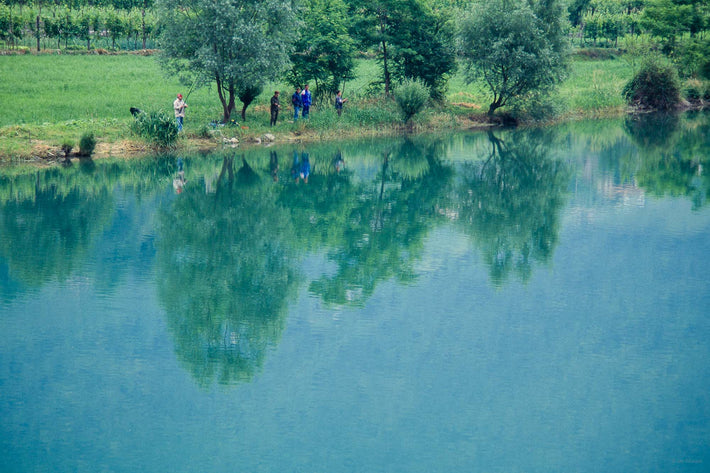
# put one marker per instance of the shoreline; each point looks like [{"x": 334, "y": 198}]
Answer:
[{"x": 43, "y": 153}]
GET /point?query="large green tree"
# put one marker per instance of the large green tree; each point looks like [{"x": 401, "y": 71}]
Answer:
[
  {"x": 231, "y": 43},
  {"x": 324, "y": 51},
  {"x": 517, "y": 47},
  {"x": 412, "y": 40}
]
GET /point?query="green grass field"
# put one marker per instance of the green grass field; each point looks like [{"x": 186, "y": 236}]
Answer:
[{"x": 51, "y": 97}]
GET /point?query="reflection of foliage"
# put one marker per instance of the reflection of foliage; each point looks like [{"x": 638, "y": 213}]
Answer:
[
  {"x": 652, "y": 129},
  {"x": 48, "y": 227},
  {"x": 673, "y": 160},
  {"x": 510, "y": 203},
  {"x": 225, "y": 275},
  {"x": 384, "y": 225}
]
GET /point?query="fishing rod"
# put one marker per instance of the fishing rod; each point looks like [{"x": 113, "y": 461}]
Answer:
[{"x": 194, "y": 83}]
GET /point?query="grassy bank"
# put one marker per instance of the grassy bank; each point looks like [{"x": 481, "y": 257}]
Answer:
[{"x": 52, "y": 98}]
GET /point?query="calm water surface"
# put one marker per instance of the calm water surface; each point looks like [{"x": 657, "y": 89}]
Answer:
[{"x": 532, "y": 301}]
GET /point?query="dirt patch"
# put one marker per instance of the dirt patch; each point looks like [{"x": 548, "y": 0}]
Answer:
[{"x": 467, "y": 105}]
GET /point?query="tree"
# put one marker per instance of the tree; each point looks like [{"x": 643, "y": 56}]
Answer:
[
  {"x": 324, "y": 52},
  {"x": 228, "y": 42},
  {"x": 247, "y": 93},
  {"x": 518, "y": 48},
  {"x": 412, "y": 40},
  {"x": 423, "y": 47}
]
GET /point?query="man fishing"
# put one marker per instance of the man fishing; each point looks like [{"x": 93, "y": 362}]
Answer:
[{"x": 179, "y": 105}]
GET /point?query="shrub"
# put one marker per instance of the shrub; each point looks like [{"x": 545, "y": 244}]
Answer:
[
  {"x": 87, "y": 144},
  {"x": 411, "y": 96},
  {"x": 655, "y": 86},
  {"x": 67, "y": 146},
  {"x": 157, "y": 127}
]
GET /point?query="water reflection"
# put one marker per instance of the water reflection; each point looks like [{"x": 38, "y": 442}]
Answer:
[
  {"x": 227, "y": 252},
  {"x": 671, "y": 157},
  {"x": 510, "y": 203},
  {"x": 376, "y": 229},
  {"x": 49, "y": 223},
  {"x": 225, "y": 274}
]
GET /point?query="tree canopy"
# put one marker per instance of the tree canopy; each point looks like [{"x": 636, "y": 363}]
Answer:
[
  {"x": 413, "y": 41},
  {"x": 324, "y": 52},
  {"x": 516, "y": 47},
  {"x": 232, "y": 43}
]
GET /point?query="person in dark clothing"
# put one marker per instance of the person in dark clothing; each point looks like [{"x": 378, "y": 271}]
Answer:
[
  {"x": 275, "y": 106},
  {"x": 339, "y": 101},
  {"x": 297, "y": 102}
]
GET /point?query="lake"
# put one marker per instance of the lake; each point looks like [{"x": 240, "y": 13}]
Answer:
[{"x": 505, "y": 301}]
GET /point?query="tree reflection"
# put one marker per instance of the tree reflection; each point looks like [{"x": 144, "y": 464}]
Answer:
[
  {"x": 673, "y": 160},
  {"x": 381, "y": 225},
  {"x": 225, "y": 274},
  {"x": 48, "y": 229},
  {"x": 510, "y": 202}
]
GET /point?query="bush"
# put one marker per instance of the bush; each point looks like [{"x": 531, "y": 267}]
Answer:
[
  {"x": 411, "y": 96},
  {"x": 656, "y": 86},
  {"x": 87, "y": 144},
  {"x": 157, "y": 127},
  {"x": 67, "y": 146}
]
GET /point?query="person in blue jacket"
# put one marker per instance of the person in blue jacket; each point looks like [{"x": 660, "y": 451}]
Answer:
[{"x": 306, "y": 99}]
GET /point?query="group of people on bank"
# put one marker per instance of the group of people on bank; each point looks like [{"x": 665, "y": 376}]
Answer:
[{"x": 301, "y": 101}]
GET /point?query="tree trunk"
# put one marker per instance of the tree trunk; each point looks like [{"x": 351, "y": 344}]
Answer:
[
  {"x": 386, "y": 69},
  {"x": 384, "y": 57},
  {"x": 143, "y": 24},
  {"x": 38, "y": 35},
  {"x": 495, "y": 105},
  {"x": 228, "y": 100}
]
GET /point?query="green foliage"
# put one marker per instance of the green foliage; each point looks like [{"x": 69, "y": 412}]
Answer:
[
  {"x": 157, "y": 127},
  {"x": 95, "y": 26},
  {"x": 247, "y": 93},
  {"x": 692, "y": 57},
  {"x": 229, "y": 43},
  {"x": 412, "y": 40},
  {"x": 667, "y": 19},
  {"x": 372, "y": 113},
  {"x": 411, "y": 96},
  {"x": 87, "y": 144},
  {"x": 515, "y": 48},
  {"x": 67, "y": 146},
  {"x": 656, "y": 86},
  {"x": 324, "y": 53}
]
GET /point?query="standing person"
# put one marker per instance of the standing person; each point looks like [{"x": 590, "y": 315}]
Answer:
[
  {"x": 306, "y": 99},
  {"x": 297, "y": 102},
  {"x": 339, "y": 101},
  {"x": 179, "y": 105},
  {"x": 275, "y": 106}
]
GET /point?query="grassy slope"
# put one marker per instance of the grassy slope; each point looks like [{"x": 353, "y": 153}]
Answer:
[{"x": 49, "y": 98}]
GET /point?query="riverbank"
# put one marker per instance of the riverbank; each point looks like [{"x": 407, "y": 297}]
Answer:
[{"x": 93, "y": 94}]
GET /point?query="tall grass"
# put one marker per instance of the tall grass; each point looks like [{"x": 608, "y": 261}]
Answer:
[
  {"x": 58, "y": 88},
  {"x": 595, "y": 86}
]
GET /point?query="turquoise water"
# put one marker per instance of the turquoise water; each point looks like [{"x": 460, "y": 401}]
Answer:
[{"x": 532, "y": 301}]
